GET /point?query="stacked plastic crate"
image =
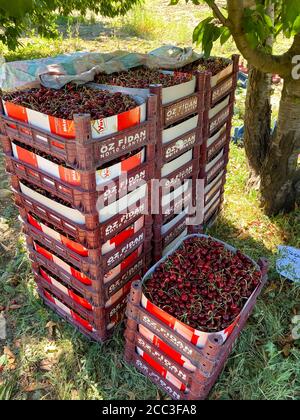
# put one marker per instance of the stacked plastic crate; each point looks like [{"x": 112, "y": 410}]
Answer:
[
  {"x": 178, "y": 142},
  {"x": 217, "y": 125},
  {"x": 183, "y": 361},
  {"x": 178, "y": 146},
  {"x": 220, "y": 86},
  {"x": 87, "y": 236}
]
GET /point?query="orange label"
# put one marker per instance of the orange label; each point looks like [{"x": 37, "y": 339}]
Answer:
[
  {"x": 83, "y": 302},
  {"x": 17, "y": 112},
  {"x": 126, "y": 234},
  {"x": 61, "y": 127},
  {"x": 27, "y": 157},
  {"x": 69, "y": 175},
  {"x": 43, "y": 252},
  {"x": 129, "y": 118},
  {"x": 81, "y": 277},
  {"x": 73, "y": 246},
  {"x": 160, "y": 314},
  {"x": 131, "y": 163},
  {"x": 82, "y": 321}
]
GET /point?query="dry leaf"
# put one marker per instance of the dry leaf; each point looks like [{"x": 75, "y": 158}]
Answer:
[
  {"x": 14, "y": 307},
  {"x": 5, "y": 193},
  {"x": 34, "y": 387},
  {"x": 47, "y": 365},
  {"x": 75, "y": 394},
  {"x": 11, "y": 359},
  {"x": 51, "y": 329},
  {"x": 287, "y": 350}
]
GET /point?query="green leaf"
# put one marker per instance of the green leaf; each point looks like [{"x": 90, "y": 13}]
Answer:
[
  {"x": 296, "y": 27},
  {"x": 268, "y": 21},
  {"x": 16, "y": 8},
  {"x": 225, "y": 35},
  {"x": 199, "y": 30}
]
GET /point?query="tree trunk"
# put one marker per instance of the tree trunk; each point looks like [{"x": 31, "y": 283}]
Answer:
[
  {"x": 280, "y": 177},
  {"x": 257, "y": 122}
]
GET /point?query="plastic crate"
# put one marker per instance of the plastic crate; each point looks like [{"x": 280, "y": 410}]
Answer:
[
  {"x": 91, "y": 238},
  {"x": 220, "y": 84},
  {"x": 99, "y": 289},
  {"x": 97, "y": 325},
  {"x": 100, "y": 260},
  {"x": 83, "y": 153},
  {"x": 181, "y": 361},
  {"x": 83, "y": 201},
  {"x": 101, "y": 215}
]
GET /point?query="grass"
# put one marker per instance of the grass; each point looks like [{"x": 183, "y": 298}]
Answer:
[{"x": 45, "y": 358}]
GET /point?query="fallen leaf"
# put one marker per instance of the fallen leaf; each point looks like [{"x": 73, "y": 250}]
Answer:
[
  {"x": 34, "y": 387},
  {"x": 14, "y": 307},
  {"x": 51, "y": 329},
  {"x": 2, "y": 327},
  {"x": 75, "y": 394},
  {"x": 47, "y": 365},
  {"x": 158, "y": 395},
  {"x": 287, "y": 350},
  {"x": 7, "y": 351}
]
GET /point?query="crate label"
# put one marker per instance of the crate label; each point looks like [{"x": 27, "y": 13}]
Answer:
[
  {"x": 125, "y": 249},
  {"x": 171, "y": 367},
  {"x": 219, "y": 91},
  {"x": 167, "y": 334},
  {"x": 109, "y": 148},
  {"x": 178, "y": 206},
  {"x": 217, "y": 145},
  {"x": 180, "y": 146},
  {"x": 125, "y": 277},
  {"x": 176, "y": 231},
  {"x": 124, "y": 219},
  {"x": 157, "y": 379},
  {"x": 180, "y": 176},
  {"x": 180, "y": 109},
  {"x": 113, "y": 189},
  {"x": 221, "y": 118}
]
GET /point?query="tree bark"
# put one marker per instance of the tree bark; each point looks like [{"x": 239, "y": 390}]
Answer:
[
  {"x": 257, "y": 123},
  {"x": 280, "y": 176}
]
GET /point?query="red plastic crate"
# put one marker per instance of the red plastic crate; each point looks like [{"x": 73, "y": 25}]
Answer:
[
  {"x": 184, "y": 364},
  {"x": 84, "y": 201},
  {"x": 96, "y": 289},
  {"x": 98, "y": 325},
  {"x": 109, "y": 220},
  {"x": 82, "y": 153}
]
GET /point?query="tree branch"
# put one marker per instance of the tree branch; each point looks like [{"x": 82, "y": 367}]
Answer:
[
  {"x": 218, "y": 14},
  {"x": 263, "y": 61}
]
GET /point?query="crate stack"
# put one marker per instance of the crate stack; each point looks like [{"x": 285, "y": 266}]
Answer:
[
  {"x": 179, "y": 127},
  {"x": 217, "y": 124},
  {"x": 84, "y": 248},
  {"x": 183, "y": 362},
  {"x": 178, "y": 146}
]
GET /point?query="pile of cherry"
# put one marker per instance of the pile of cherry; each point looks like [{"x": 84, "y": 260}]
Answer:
[
  {"x": 203, "y": 284},
  {"x": 72, "y": 99},
  {"x": 142, "y": 77}
]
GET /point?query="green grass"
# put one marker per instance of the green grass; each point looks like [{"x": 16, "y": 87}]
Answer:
[{"x": 52, "y": 360}]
